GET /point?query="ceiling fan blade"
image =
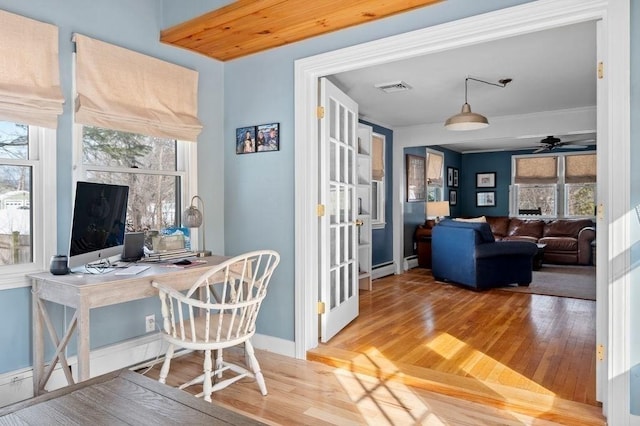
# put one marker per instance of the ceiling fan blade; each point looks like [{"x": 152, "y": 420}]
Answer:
[
  {"x": 543, "y": 148},
  {"x": 569, "y": 145}
]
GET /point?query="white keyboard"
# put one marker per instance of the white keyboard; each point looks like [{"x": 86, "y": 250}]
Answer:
[{"x": 132, "y": 270}]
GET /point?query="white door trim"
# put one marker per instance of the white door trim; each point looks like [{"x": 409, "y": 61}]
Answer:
[{"x": 526, "y": 18}]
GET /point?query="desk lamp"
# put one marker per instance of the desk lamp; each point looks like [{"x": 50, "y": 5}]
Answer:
[{"x": 193, "y": 218}]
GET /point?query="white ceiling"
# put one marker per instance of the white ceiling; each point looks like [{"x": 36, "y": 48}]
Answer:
[{"x": 551, "y": 70}]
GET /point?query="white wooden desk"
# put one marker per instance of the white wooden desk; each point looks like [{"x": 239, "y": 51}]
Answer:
[{"x": 84, "y": 292}]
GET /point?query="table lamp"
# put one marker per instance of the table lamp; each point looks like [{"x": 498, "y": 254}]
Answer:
[
  {"x": 437, "y": 209},
  {"x": 193, "y": 218}
]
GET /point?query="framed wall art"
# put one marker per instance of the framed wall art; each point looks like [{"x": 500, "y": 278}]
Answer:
[
  {"x": 456, "y": 175},
  {"x": 260, "y": 138},
  {"x": 450, "y": 176},
  {"x": 453, "y": 197},
  {"x": 486, "y": 180},
  {"x": 486, "y": 199},
  {"x": 415, "y": 172}
]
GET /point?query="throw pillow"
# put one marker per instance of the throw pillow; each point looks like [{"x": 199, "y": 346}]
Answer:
[{"x": 473, "y": 219}]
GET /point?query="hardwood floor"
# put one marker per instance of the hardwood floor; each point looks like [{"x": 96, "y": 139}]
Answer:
[
  {"x": 426, "y": 353},
  {"x": 529, "y": 353}
]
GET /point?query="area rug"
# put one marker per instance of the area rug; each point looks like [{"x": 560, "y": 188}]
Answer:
[{"x": 574, "y": 281}]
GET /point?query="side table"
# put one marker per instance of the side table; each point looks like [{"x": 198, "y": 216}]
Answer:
[
  {"x": 537, "y": 258},
  {"x": 422, "y": 237}
]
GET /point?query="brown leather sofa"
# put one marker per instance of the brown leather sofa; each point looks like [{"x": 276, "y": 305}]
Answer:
[{"x": 568, "y": 240}]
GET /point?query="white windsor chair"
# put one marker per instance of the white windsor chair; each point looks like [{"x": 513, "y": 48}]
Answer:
[{"x": 218, "y": 312}]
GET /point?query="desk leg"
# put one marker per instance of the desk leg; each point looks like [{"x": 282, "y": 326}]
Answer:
[
  {"x": 38, "y": 338},
  {"x": 84, "y": 372}
]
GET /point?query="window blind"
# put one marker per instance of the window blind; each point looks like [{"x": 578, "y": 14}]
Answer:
[
  {"x": 580, "y": 168},
  {"x": 29, "y": 71},
  {"x": 537, "y": 170},
  {"x": 377, "y": 166},
  {"x": 120, "y": 89},
  {"x": 434, "y": 169}
]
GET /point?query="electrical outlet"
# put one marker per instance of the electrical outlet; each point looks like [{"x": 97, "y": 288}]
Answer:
[{"x": 150, "y": 323}]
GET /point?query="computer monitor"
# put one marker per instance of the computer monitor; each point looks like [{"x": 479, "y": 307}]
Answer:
[{"x": 98, "y": 225}]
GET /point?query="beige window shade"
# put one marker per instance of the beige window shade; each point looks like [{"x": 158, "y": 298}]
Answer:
[
  {"x": 29, "y": 71},
  {"x": 580, "y": 168},
  {"x": 124, "y": 90},
  {"x": 434, "y": 169},
  {"x": 537, "y": 170},
  {"x": 377, "y": 166}
]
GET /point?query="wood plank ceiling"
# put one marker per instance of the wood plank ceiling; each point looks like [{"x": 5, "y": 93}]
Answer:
[{"x": 245, "y": 27}]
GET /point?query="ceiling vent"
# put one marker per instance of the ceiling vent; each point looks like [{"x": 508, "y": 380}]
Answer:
[{"x": 395, "y": 86}]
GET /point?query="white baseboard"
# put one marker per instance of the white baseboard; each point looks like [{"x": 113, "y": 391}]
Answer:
[
  {"x": 410, "y": 262},
  {"x": 18, "y": 385},
  {"x": 383, "y": 270}
]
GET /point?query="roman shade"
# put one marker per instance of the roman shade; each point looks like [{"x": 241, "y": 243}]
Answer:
[
  {"x": 29, "y": 71},
  {"x": 434, "y": 169},
  {"x": 119, "y": 89},
  {"x": 540, "y": 170},
  {"x": 377, "y": 166},
  {"x": 580, "y": 168}
]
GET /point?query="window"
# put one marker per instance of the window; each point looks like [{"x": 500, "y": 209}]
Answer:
[
  {"x": 23, "y": 175},
  {"x": 435, "y": 179},
  {"x": 377, "y": 181},
  {"x": 152, "y": 167},
  {"x": 560, "y": 185}
]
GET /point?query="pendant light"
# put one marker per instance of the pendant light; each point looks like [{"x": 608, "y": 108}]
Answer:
[{"x": 467, "y": 120}]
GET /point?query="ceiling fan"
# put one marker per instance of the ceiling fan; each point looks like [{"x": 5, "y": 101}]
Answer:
[{"x": 551, "y": 142}]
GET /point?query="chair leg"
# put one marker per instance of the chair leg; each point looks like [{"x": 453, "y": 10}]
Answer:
[
  {"x": 206, "y": 383},
  {"x": 255, "y": 367},
  {"x": 219, "y": 363},
  {"x": 164, "y": 371}
]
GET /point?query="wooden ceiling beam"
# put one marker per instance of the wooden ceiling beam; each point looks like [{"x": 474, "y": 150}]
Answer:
[{"x": 250, "y": 26}]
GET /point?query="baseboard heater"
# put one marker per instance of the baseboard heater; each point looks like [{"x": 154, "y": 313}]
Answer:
[{"x": 382, "y": 270}]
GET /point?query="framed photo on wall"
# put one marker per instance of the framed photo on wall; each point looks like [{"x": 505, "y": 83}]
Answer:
[
  {"x": 455, "y": 177},
  {"x": 486, "y": 180},
  {"x": 486, "y": 199},
  {"x": 260, "y": 138},
  {"x": 450, "y": 176},
  {"x": 453, "y": 197},
  {"x": 415, "y": 172}
]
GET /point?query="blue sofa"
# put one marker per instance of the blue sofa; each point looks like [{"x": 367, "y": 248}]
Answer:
[{"x": 467, "y": 253}]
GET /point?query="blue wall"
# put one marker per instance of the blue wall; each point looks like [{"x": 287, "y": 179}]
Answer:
[
  {"x": 414, "y": 213},
  {"x": 499, "y": 162},
  {"x": 133, "y": 25},
  {"x": 382, "y": 239}
]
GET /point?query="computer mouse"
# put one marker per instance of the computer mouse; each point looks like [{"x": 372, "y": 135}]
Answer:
[{"x": 183, "y": 262}]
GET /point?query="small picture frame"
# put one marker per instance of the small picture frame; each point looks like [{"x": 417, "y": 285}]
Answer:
[
  {"x": 455, "y": 177},
  {"x": 245, "y": 140},
  {"x": 486, "y": 180},
  {"x": 268, "y": 137},
  {"x": 450, "y": 176},
  {"x": 260, "y": 138},
  {"x": 453, "y": 197},
  {"x": 486, "y": 199}
]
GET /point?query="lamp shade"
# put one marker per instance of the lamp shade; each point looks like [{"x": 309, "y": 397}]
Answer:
[
  {"x": 466, "y": 120},
  {"x": 437, "y": 208},
  {"x": 192, "y": 217}
]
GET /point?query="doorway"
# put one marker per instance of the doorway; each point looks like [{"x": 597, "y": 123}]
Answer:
[{"x": 612, "y": 132}]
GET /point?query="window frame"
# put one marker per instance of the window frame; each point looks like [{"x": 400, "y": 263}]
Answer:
[
  {"x": 186, "y": 169},
  {"x": 43, "y": 163},
  {"x": 561, "y": 200},
  {"x": 380, "y": 221},
  {"x": 439, "y": 194}
]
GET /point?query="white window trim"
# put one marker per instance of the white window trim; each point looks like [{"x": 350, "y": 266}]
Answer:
[
  {"x": 381, "y": 222},
  {"x": 442, "y": 176},
  {"x": 186, "y": 168},
  {"x": 560, "y": 201},
  {"x": 42, "y": 158}
]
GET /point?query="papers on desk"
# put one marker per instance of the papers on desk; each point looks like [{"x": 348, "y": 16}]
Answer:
[{"x": 168, "y": 255}]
